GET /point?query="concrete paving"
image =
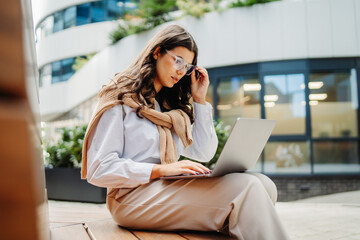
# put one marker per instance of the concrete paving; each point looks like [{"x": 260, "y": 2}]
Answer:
[{"x": 335, "y": 216}]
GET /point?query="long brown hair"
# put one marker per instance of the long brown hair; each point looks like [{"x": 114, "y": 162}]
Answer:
[{"x": 140, "y": 75}]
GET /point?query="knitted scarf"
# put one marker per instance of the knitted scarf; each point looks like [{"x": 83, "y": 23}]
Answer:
[{"x": 177, "y": 120}]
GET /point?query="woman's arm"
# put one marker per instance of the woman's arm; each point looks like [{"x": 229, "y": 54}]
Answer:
[
  {"x": 106, "y": 167},
  {"x": 205, "y": 141}
]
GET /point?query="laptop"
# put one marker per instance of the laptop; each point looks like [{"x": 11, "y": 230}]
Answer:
[{"x": 245, "y": 143}]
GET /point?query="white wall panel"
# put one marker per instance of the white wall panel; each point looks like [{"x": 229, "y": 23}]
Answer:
[
  {"x": 343, "y": 27},
  {"x": 203, "y": 32},
  {"x": 357, "y": 24},
  {"x": 74, "y": 41},
  {"x": 225, "y": 38},
  {"x": 294, "y": 30},
  {"x": 319, "y": 28},
  {"x": 270, "y": 34},
  {"x": 247, "y": 35}
]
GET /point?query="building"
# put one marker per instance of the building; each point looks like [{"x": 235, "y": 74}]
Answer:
[{"x": 294, "y": 61}]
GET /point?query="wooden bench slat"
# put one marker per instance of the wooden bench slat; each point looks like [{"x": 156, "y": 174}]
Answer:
[
  {"x": 147, "y": 235},
  {"x": 69, "y": 232},
  {"x": 205, "y": 236},
  {"x": 109, "y": 230}
]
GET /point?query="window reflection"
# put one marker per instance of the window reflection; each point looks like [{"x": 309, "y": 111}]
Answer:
[
  {"x": 70, "y": 17},
  {"x": 334, "y": 104},
  {"x": 58, "y": 21},
  {"x": 284, "y": 101},
  {"x": 238, "y": 96},
  {"x": 339, "y": 156},
  {"x": 67, "y": 70},
  {"x": 83, "y": 14},
  {"x": 98, "y": 13},
  {"x": 286, "y": 157},
  {"x": 56, "y": 72}
]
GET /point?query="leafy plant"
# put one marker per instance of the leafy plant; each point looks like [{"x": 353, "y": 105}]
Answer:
[
  {"x": 222, "y": 133},
  {"x": 155, "y": 11},
  {"x": 67, "y": 152},
  {"x": 81, "y": 61},
  {"x": 247, "y": 3},
  {"x": 197, "y": 8}
]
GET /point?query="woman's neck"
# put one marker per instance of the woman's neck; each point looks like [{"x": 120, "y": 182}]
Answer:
[{"x": 157, "y": 85}]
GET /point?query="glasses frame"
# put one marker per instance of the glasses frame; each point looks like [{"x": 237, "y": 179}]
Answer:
[{"x": 180, "y": 64}]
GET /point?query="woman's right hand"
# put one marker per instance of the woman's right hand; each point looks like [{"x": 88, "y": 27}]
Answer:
[{"x": 177, "y": 168}]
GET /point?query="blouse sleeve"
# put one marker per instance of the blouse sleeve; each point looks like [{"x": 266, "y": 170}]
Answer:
[
  {"x": 205, "y": 141},
  {"x": 105, "y": 165}
]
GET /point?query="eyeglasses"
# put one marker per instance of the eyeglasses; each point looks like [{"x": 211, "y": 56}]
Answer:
[{"x": 180, "y": 64}]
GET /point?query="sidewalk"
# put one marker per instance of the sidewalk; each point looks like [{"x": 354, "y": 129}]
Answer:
[{"x": 335, "y": 216}]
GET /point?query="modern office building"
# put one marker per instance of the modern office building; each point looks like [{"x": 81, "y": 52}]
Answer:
[{"x": 295, "y": 61}]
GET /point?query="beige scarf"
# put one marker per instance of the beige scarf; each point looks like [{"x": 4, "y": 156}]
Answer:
[{"x": 174, "y": 119}]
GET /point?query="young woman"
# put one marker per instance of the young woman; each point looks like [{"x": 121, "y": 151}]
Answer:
[{"x": 145, "y": 118}]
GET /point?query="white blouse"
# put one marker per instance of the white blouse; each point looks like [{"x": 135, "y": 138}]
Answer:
[{"x": 124, "y": 148}]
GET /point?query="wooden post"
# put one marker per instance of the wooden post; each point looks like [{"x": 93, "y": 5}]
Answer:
[{"x": 23, "y": 202}]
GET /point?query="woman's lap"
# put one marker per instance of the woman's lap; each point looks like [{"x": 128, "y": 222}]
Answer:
[{"x": 196, "y": 204}]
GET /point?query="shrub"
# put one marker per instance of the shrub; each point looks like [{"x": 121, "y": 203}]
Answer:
[
  {"x": 67, "y": 152},
  {"x": 81, "y": 61},
  {"x": 247, "y": 3},
  {"x": 197, "y": 8},
  {"x": 222, "y": 133}
]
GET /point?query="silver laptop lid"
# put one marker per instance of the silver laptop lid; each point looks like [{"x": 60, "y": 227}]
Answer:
[{"x": 244, "y": 145}]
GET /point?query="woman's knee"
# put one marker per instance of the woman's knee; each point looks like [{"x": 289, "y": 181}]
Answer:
[{"x": 268, "y": 184}]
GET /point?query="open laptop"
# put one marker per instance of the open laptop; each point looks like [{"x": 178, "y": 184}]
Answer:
[{"x": 246, "y": 141}]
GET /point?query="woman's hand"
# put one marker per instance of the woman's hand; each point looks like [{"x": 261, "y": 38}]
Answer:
[
  {"x": 177, "y": 168},
  {"x": 199, "y": 86}
]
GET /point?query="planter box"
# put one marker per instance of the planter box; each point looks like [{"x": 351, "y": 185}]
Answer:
[{"x": 66, "y": 184}]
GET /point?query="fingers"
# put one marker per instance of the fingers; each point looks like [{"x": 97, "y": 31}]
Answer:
[{"x": 197, "y": 167}]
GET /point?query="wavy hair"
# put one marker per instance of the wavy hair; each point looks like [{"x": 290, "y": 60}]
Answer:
[{"x": 139, "y": 77}]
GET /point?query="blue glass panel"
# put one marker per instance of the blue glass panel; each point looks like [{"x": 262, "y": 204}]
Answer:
[
  {"x": 67, "y": 70},
  {"x": 58, "y": 21},
  {"x": 83, "y": 14},
  {"x": 56, "y": 72},
  {"x": 284, "y": 101},
  {"x": 98, "y": 12},
  {"x": 115, "y": 9},
  {"x": 70, "y": 17}
]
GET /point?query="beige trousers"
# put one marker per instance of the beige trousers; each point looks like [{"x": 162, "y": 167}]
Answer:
[{"x": 240, "y": 204}]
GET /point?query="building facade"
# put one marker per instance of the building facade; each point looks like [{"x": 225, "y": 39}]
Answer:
[{"x": 297, "y": 62}]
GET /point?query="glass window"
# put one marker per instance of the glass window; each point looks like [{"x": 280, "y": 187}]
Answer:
[
  {"x": 83, "y": 14},
  {"x": 98, "y": 12},
  {"x": 287, "y": 157},
  {"x": 238, "y": 96},
  {"x": 45, "y": 76},
  {"x": 56, "y": 72},
  {"x": 334, "y": 104},
  {"x": 284, "y": 101},
  {"x": 58, "y": 21},
  {"x": 210, "y": 96},
  {"x": 115, "y": 9},
  {"x": 67, "y": 70},
  {"x": 336, "y": 156},
  {"x": 45, "y": 28},
  {"x": 70, "y": 17}
]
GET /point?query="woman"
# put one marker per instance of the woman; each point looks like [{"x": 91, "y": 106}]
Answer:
[{"x": 143, "y": 121}]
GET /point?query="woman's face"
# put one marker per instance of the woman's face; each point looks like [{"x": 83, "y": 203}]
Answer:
[{"x": 166, "y": 73}]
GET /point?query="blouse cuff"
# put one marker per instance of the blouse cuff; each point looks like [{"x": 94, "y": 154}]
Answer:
[
  {"x": 203, "y": 112},
  {"x": 144, "y": 171}
]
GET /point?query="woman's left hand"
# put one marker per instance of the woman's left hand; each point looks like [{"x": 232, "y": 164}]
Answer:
[{"x": 199, "y": 86}]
